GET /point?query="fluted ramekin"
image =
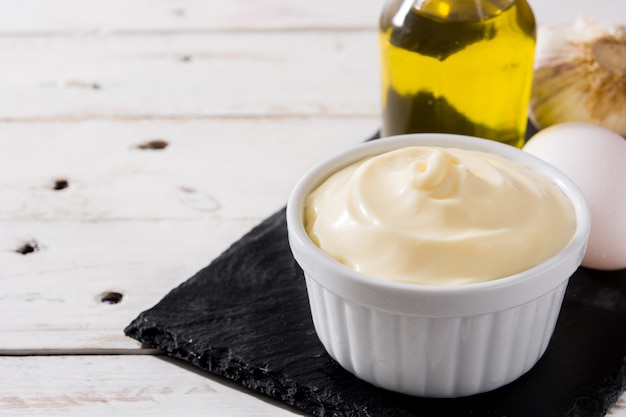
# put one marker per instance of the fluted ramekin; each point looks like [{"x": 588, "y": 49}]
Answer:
[{"x": 434, "y": 341}]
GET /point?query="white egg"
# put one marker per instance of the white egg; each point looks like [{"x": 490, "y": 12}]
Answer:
[{"x": 595, "y": 159}]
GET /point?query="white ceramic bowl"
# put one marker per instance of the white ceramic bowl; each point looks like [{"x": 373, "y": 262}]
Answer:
[{"x": 434, "y": 341}]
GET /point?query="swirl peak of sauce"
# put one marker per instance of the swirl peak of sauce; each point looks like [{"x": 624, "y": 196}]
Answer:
[{"x": 439, "y": 216}]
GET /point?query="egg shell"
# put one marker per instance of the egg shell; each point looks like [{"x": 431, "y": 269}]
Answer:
[{"x": 595, "y": 159}]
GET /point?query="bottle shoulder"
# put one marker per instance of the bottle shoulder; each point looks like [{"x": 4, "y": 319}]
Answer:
[{"x": 394, "y": 12}]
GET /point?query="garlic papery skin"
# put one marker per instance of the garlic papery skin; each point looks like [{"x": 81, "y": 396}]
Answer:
[{"x": 580, "y": 75}]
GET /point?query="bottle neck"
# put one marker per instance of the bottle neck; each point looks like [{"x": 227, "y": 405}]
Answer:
[
  {"x": 461, "y": 9},
  {"x": 395, "y": 11}
]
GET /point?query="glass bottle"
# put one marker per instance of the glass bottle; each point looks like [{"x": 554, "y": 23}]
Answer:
[{"x": 457, "y": 66}]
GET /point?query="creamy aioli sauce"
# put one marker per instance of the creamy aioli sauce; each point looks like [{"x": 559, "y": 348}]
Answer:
[{"x": 439, "y": 216}]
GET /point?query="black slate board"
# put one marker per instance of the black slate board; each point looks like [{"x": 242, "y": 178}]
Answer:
[{"x": 245, "y": 317}]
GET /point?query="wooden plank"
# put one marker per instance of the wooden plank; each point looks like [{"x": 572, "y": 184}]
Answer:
[
  {"x": 35, "y": 342},
  {"x": 127, "y": 385},
  {"x": 189, "y": 76},
  {"x": 122, "y": 17},
  {"x": 119, "y": 16},
  {"x": 619, "y": 408},
  {"x": 210, "y": 168},
  {"x": 88, "y": 280},
  {"x": 136, "y": 222}
]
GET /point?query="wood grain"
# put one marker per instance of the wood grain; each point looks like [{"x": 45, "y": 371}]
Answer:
[
  {"x": 619, "y": 408},
  {"x": 209, "y": 170},
  {"x": 163, "y": 16},
  {"x": 186, "y": 76},
  {"x": 123, "y": 385},
  {"x": 41, "y": 17}
]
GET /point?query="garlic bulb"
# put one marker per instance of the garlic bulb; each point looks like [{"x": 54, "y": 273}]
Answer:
[{"x": 580, "y": 75}]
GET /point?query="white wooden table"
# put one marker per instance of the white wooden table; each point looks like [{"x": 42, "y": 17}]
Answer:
[{"x": 96, "y": 225}]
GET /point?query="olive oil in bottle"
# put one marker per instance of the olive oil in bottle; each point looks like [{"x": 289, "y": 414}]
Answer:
[{"x": 457, "y": 66}]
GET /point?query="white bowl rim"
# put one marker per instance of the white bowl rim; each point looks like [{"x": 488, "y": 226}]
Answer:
[{"x": 478, "y": 298}]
